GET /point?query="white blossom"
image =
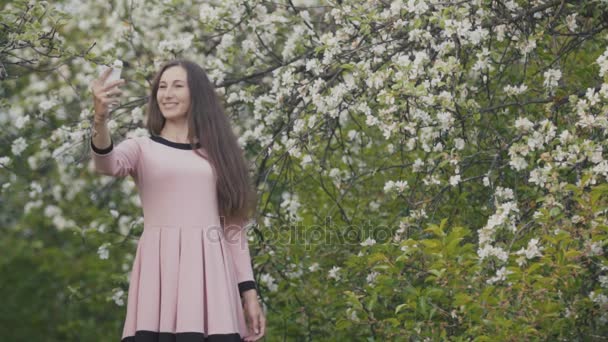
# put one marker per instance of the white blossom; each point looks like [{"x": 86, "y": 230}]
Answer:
[
  {"x": 306, "y": 161},
  {"x": 418, "y": 214},
  {"x": 333, "y": 273},
  {"x": 46, "y": 105},
  {"x": 368, "y": 242},
  {"x": 371, "y": 277},
  {"x": 523, "y": 124},
  {"x": 183, "y": 42},
  {"x": 489, "y": 250},
  {"x": 501, "y": 275},
  {"x": 103, "y": 251},
  {"x": 5, "y": 161},
  {"x": 571, "y": 22},
  {"x": 445, "y": 120},
  {"x": 21, "y": 121},
  {"x": 291, "y": 203},
  {"x": 19, "y": 145},
  {"x": 602, "y": 61},
  {"x": 374, "y": 205},
  {"x": 515, "y": 90},
  {"x": 459, "y": 144},
  {"x": 269, "y": 281},
  {"x": 398, "y": 186},
  {"x": 518, "y": 162},
  {"x": 552, "y": 77},
  {"x": 527, "y": 46},
  {"x": 454, "y": 180},
  {"x": 314, "y": 267},
  {"x": 594, "y": 248},
  {"x": 117, "y": 297},
  {"x": 208, "y": 13},
  {"x": 530, "y": 252},
  {"x": 418, "y": 165},
  {"x": 603, "y": 281},
  {"x": 486, "y": 181},
  {"x": 598, "y": 298}
]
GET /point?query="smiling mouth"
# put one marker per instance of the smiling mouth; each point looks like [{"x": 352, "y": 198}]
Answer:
[{"x": 170, "y": 105}]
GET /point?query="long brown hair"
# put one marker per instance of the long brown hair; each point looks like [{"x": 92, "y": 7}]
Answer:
[{"x": 208, "y": 124}]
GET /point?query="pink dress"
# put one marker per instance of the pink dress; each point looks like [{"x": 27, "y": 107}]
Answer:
[{"x": 188, "y": 271}]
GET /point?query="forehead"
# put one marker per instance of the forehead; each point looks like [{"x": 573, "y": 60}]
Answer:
[{"x": 174, "y": 73}]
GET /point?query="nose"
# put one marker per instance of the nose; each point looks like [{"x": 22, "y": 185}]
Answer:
[{"x": 169, "y": 92}]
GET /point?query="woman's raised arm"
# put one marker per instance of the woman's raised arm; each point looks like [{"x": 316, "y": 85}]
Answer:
[{"x": 109, "y": 160}]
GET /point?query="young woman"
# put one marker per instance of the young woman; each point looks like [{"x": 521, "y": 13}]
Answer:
[{"x": 192, "y": 278}]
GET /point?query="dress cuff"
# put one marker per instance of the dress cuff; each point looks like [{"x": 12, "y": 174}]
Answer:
[
  {"x": 104, "y": 150},
  {"x": 246, "y": 285}
]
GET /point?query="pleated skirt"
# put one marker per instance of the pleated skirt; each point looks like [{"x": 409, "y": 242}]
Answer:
[{"x": 183, "y": 288}]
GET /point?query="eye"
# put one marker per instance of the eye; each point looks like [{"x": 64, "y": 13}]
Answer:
[{"x": 162, "y": 86}]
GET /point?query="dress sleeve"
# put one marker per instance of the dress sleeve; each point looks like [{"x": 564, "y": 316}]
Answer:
[
  {"x": 238, "y": 245},
  {"x": 117, "y": 161}
]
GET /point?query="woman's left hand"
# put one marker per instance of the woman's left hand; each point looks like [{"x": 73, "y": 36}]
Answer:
[{"x": 256, "y": 322}]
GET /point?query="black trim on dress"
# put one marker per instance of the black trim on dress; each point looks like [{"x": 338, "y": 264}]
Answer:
[
  {"x": 104, "y": 150},
  {"x": 181, "y": 146},
  {"x": 155, "y": 336},
  {"x": 246, "y": 285}
]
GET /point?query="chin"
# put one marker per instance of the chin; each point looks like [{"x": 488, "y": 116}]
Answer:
[{"x": 172, "y": 116}]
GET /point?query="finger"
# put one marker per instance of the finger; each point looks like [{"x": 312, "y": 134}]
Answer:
[
  {"x": 256, "y": 324},
  {"x": 113, "y": 93},
  {"x": 112, "y": 103},
  {"x": 103, "y": 95},
  {"x": 262, "y": 325},
  {"x": 109, "y": 100},
  {"x": 248, "y": 322},
  {"x": 250, "y": 326},
  {"x": 104, "y": 75},
  {"x": 113, "y": 84}
]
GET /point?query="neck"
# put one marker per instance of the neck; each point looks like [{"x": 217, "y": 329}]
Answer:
[{"x": 175, "y": 131}]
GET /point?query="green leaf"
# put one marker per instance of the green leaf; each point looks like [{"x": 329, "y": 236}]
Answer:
[
  {"x": 352, "y": 299},
  {"x": 422, "y": 305},
  {"x": 343, "y": 324},
  {"x": 437, "y": 273},
  {"x": 462, "y": 299},
  {"x": 555, "y": 211},
  {"x": 436, "y": 230},
  {"x": 598, "y": 192},
  {"x": 433, "y": 245},
  {"x": 347, "y": 66},
  {"x": 400, "y": 307},
  {"x": 376, "y": 257},
  {"x": 393, "y": 321}
]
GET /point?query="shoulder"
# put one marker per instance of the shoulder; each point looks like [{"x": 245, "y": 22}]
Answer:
[{"x": 134, "y": 141}]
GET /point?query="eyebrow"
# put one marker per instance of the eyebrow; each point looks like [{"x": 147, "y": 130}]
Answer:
[{"x": 173, "y": 81}]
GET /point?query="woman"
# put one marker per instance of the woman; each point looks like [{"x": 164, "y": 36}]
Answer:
[{"x": 192, "y": 278}]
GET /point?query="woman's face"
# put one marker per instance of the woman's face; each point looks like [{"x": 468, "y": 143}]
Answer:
[{"x": 173, "y": 95}]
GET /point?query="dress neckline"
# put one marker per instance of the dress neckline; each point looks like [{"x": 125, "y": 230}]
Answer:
[{"x": 181, "y": 146}]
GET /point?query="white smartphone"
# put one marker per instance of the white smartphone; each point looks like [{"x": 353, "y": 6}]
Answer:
[{"x": 116, "y": 71}]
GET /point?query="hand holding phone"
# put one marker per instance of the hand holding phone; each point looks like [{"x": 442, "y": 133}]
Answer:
[{"x": 105, "y": 88}]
